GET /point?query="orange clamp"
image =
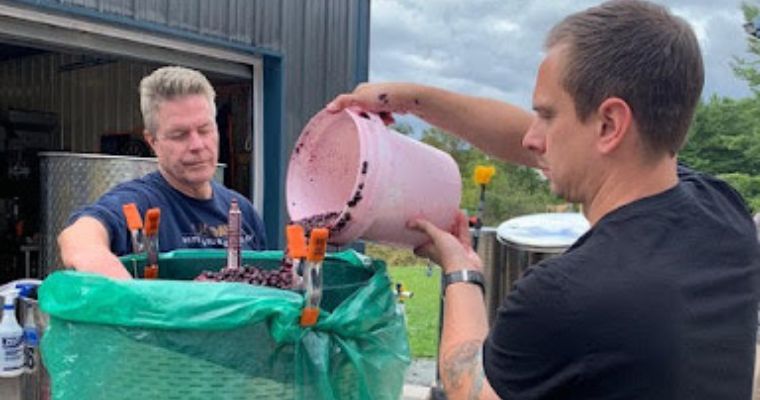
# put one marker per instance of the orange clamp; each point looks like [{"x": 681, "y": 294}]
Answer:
[
  {"x": 296, "y": 241},
  {"x": 152, "y": 219},
  {"x": 317, "y": 244},
  {"x": 309, "y": 316},
  {"x": 134, "y": 221}
]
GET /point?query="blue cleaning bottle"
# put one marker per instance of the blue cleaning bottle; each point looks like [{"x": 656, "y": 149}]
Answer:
[
  {"x": 11, "y": 338},
  {"x": 29, "y": 326}
]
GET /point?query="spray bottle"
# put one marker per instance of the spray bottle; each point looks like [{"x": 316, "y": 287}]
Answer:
[
  {"x": 11, "y": 338},
  {"x": 29, "y": 326}
]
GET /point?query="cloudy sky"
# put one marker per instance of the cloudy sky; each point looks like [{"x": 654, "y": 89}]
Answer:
[{"x": 493, "y": 47}]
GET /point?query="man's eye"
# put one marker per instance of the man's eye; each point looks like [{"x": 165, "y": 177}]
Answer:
[{"x": 176, "y": 135}]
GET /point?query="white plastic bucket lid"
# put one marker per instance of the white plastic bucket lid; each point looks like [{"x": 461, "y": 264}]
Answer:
[{"x": 550, "y": 231}]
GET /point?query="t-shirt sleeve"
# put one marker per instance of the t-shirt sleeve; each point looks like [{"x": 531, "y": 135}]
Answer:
[
  {"x": 524, "y": 355},
  {"x": 108, "y": 210}
]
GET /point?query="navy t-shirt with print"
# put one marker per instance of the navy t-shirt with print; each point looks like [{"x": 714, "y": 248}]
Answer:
[
  {"x": 657, "y": 301},
  {"x": 185, "y": 222}
]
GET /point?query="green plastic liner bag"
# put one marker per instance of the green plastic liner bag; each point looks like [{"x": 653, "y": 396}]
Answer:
[{"x": 176, "y": 339}]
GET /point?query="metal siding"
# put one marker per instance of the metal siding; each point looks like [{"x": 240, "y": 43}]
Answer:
[
  {"x": 212, "y": 17},
  {"x": 295, "y": 60},
  {"x": 117, "y": 7},
  {"x": 183, "y": 14},
  {"x": 81, "y": 3},
  {"x": 314, "y": 64},
  {"x": 152, "y": 10}
]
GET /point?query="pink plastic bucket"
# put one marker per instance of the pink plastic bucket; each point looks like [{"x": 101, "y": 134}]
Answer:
[{"x": 372, "y": 178}]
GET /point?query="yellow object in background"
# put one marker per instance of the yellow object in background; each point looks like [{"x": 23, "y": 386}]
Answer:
[{"x": 483, "y": 174}]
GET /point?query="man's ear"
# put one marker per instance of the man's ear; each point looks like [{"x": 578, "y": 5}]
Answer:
[
  {"x": 616, "y": 119},
  {"x": 149, "y": 139}
]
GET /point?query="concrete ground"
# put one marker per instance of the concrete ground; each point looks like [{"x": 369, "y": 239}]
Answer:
[{"x": 420, "y": 377}]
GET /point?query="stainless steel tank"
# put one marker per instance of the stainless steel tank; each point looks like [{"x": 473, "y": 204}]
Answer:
[
  {"x": 71, "y": 180},
  {"x": 507, "y": 251}
]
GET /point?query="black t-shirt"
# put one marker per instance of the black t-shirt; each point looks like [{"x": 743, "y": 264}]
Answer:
[{"x": 657, "y": 301}]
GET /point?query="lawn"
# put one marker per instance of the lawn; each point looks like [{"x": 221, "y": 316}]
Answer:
[{"x": 422, "y": 308}]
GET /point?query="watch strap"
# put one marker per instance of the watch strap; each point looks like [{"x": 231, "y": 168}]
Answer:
[{"x": 465, "y": 275}]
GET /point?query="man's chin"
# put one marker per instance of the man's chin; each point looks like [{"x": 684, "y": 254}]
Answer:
[{"x": 198, "y": 177}]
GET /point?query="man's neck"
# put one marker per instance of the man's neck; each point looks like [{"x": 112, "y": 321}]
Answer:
[
  {"x": 200, "y": 192},
  {"x": 626, "y": 185}
]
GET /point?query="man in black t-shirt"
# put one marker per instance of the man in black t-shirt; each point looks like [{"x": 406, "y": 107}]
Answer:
[{"x": 658, "y": 300}]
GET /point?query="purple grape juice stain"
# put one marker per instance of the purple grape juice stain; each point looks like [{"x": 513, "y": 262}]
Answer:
[{"x": 355, "y": 200}]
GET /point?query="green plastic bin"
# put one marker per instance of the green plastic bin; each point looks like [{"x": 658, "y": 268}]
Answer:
[{"x": 176, "y": 339}]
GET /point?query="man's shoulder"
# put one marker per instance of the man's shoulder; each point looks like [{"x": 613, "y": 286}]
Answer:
[
  {"x": 226, "y": 194},
  {"x": 701, "y": 183}
]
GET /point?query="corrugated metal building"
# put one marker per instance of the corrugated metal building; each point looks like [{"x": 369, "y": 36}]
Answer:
[{"x": 274, "y": 64}]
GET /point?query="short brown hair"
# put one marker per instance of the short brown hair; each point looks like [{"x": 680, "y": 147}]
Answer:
[{"x": 641, "y": 53}]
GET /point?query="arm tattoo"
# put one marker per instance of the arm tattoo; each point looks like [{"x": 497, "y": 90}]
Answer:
[{"x": 465, "y": 364}]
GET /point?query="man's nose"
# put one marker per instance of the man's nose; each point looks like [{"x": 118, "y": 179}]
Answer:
[
  {"x": 196, "y": 140},
  {"x": 534, "y": 140}
]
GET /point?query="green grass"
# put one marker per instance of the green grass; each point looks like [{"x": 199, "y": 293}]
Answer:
[{"x": 422, "y": 309}]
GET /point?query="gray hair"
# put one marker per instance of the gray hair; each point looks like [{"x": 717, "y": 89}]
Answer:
[
  {"x": 641, "y": 53},
  {"x": 168, "y": 83}
]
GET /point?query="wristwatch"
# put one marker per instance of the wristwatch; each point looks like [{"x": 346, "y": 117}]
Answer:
[{"x": 465, "y": 275}]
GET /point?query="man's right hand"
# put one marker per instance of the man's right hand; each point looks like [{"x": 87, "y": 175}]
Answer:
[
  {"x": 383, "y": 99},
  {"x": 84, "y": 247}
]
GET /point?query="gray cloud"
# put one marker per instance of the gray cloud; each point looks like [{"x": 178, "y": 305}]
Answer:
[{"x": 493, "y": 47}]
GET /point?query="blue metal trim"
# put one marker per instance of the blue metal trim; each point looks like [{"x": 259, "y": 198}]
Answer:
[
  {"x": 274, "y": 147},
  {"x": 147, "y": 26},
  {"x": 361, "y": 64}
]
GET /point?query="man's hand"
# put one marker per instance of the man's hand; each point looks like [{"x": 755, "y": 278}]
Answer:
[
  {"x": 452, "y": 251},
  {"x": 84, "y": 246},
  {"x": 384, "y": 99}
]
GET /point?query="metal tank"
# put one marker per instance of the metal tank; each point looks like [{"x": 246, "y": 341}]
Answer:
[
  {"x": 507, "y": 251},
  {"x": 71, "y": 180}
]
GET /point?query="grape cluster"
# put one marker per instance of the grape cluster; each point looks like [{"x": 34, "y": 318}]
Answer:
[{"x": 281, "y": 278}]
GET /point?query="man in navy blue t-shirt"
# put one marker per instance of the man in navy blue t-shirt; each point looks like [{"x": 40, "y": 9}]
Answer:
[
  {"x": 180, "y": 126},
  {"x": 659, "y": 299}
]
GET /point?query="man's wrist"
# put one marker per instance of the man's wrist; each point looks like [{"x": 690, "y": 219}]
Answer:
[{"x": 469, "y": 276}]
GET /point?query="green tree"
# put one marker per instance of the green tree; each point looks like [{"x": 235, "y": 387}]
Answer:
[
  {"x": 513, "y": 191},
  {"x": 749, "y": 69},
  {"x": 748, "y": 186},
  {"x": 725, "y": 137}
]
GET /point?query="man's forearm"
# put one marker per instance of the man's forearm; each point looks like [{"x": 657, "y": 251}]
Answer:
[
  {"x": 84, "y": 246},
  {"x": 493, "y": 126},
  {"x": 465, "y": 327}
]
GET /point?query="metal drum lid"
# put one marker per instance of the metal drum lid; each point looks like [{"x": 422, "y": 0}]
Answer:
[{"x": 547, "y": 232}]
